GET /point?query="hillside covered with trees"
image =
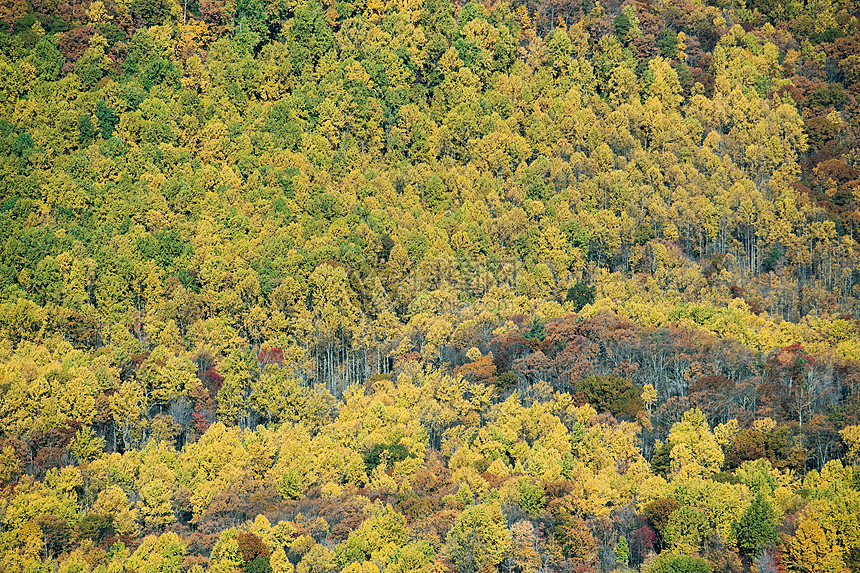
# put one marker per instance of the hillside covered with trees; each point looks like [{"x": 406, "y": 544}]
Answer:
[{"x": 372, "y": 287}]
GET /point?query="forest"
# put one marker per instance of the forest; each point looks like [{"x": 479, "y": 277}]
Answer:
[{"x": 511, "y": 286}]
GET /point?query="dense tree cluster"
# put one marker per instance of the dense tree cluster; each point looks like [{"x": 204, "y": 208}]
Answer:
[
  {"x": 358, "y": 286},
  {"x": 535, "y": 481}
]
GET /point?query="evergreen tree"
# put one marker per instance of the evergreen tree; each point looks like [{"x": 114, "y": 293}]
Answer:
[
  {"x": 622, "y": 552},
  {"x": 756, "y": 529}
]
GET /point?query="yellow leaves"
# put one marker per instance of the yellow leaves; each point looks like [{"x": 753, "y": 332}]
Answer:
[
  {"x": 196, "y": 77},
  {"x": 811, "y": 549},
  {"x": 155, "y": 505},
  {"x": 10, "y": 466},
  {"x": 331, "y": 121},
  {"x": 216, "y": 451},
  {"x": 213, "y": 150},
  {"x": 114, "y": 502},
  {"x": 785, "y": 499},
  {"x": 64, "y": 192},
  {"x": 262, "y": 528},
  {"x": 64, "y": 481},
  {"x": 386, "y": 416},
  {"x": 479, "y": 538},
  {"x": 622, "y": 442},
  {"x": 501, "y": 151},
  {"x": 12, "y": 81},
  {"x": 649, "y": 396},
  {"x": 483, "y": 32},
  {"x": 355, "y": 72},
  {"x": 28, "y": 73},
  {"x": 279, "y": 562},
  {"x": 358, "y": 567},
  {"x": 544, "y": 463},
  {"x": 665, "y": 86},
  {"x": 524, "y": 545},
  {"x": 328, "y": 459},
  {"x": 330, "y": 490},
  {"x": 33, "y": 499},
  {"x": 29, "y": 541},
  {"x": 157, "y": 554},
  {"x": 460, "y": 84},
  {"x": 553, "y": 434},
  {"x": 330, "y": 295},
  {"x": 127, "y": 407},
  {"x": 592, "y": 494},
  {"x": 97, "y": 13},
  {"x": 167, "y": 375},
  {"x": 318, "y": 558},
  {"x": 695, "y": 451},
  {"x": 450, "y": 62},
  {"x": 295, "y": 458},
  {"x": 851, "y": 438},
  {"x": 194, "y": 36},
  {"x": 499, "y": 468},
  {"x": 725, "y": 433}
]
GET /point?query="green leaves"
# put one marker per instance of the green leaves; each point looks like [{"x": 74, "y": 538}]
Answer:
[
  {"x": 532, "y": 498},
  {"x": 612, "y": 394},
  {"x": 107, "y": 118},
  {"x": 290, "y": 486},
  {"x": 580, "y": 295},
  {"x": 757, "y": 528},
  {"x": 384, "y": 453},
  {"x": 685, "y": 530},
  {"x": 622, "y": 552},
  {"x": 87, "y": 446},
  {"x": 668, "y": 562}
]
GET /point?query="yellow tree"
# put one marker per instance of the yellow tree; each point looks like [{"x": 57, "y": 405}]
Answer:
[
  {"x": 162, "y": 554},
  {"x": 695, "y": 450},
  {"x": 240, "y": 371},
  {"x": 479, "y": 538},
  {"x": 128, "y": 406}
]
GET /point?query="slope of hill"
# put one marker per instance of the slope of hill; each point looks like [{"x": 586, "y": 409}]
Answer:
[{"x": 365, "y": 286}]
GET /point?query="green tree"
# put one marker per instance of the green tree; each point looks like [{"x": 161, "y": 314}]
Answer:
[
  {"x": 685, "y": 530},
  {"x": 259, "y": 565},
  {"x": 87, "y": 446},
  {"x": 612, "y": 394},
  {"x": 291, "y": 485},
  {"x": 580, "y": 295},
  {"x": 93, "y": 64},
  {"x": 47, "y": 59},
  {"x": 668, "y": 562},
  {"x": 622, "y": 552},
  {"x": 532, "y": 498},
  {"x": 757, "y": 528},
  {"x": 153, "y": 12},
  {"x": 107, "y": 118}
]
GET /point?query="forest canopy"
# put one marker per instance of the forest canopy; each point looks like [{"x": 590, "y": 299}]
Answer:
[{"x": 364, "y": 286}]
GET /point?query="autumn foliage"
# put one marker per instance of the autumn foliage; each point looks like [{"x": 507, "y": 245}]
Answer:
[{"x": 375, "y": 287}]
